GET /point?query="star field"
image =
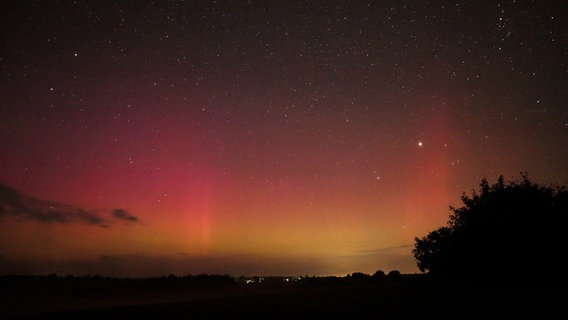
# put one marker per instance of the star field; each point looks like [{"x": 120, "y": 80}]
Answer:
[{"x": 266, "y": 137}]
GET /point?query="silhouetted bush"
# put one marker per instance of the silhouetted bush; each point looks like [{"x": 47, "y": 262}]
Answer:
[
  {"x": 506, "y": 231},
  {"x": 394, "y": 274},
  {"x": 360, "y": 276},
  {"x": 379, "y": 275}
]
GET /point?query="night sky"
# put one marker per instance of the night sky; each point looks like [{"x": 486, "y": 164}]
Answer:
[{"x": 144, "y": 138}]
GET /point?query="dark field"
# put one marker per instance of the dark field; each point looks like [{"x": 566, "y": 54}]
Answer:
[{"x": 220, "y": 297}]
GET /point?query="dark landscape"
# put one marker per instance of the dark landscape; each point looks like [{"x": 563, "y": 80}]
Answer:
[{"x": 355, "y": 296}]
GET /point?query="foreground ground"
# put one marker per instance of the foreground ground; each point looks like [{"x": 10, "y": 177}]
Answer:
[{"x": 410, "y": 297}]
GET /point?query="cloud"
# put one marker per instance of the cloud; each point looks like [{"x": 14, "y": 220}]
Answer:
[
  {"x": 19, "y": 207},
  {"x": 123, "y": 215},
  {"x": 386, "y": 249}
]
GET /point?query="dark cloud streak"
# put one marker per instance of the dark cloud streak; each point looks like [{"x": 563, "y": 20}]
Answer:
[
  {"x": 123, "y": 215},
  {"x": 19, "y": 207}
]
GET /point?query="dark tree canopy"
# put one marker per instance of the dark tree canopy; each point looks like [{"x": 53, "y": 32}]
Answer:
[{"x": 509, "y": 230}]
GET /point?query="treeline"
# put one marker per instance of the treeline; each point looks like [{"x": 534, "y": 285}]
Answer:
[
  {"x": 95, "y": 285},
  {"x": 92, "y": 284}
]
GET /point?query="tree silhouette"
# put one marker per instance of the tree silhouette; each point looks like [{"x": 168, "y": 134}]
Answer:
[
  {"x": 507, "y": 231},
  {"x": 379, "y": 275}
]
